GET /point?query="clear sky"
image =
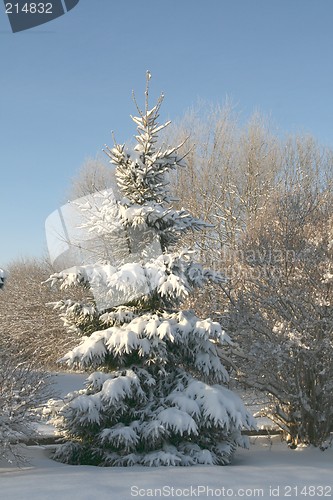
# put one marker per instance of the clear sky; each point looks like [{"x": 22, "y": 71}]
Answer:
[{"x": 65, "y": 85}]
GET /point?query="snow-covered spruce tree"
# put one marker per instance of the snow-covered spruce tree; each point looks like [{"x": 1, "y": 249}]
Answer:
[{"x": 158, "y": 397}]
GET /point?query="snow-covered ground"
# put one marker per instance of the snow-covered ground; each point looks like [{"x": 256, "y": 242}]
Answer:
[{"x": 269, "y": 469}]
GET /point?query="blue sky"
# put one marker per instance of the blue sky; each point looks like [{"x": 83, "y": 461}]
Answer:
[{"x": 65, "y": 85}]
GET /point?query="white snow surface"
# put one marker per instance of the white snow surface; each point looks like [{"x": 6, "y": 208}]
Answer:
[
  {"x": 269, "y": 468},
  {"x": 265, "y": 466}
]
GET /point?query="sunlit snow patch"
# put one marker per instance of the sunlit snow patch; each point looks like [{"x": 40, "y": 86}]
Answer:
[{"x": 86, "y": 236}]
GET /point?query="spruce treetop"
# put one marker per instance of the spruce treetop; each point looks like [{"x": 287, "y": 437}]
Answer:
[{"x": 142, "y": 177}]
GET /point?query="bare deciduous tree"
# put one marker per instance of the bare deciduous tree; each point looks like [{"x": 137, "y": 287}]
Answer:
[
  {"x": 26, "y": 321},
  {"x": 94, "y": 175},
  {"x": 282, "y": 316},
  {"x": 23, "y": 388}
]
